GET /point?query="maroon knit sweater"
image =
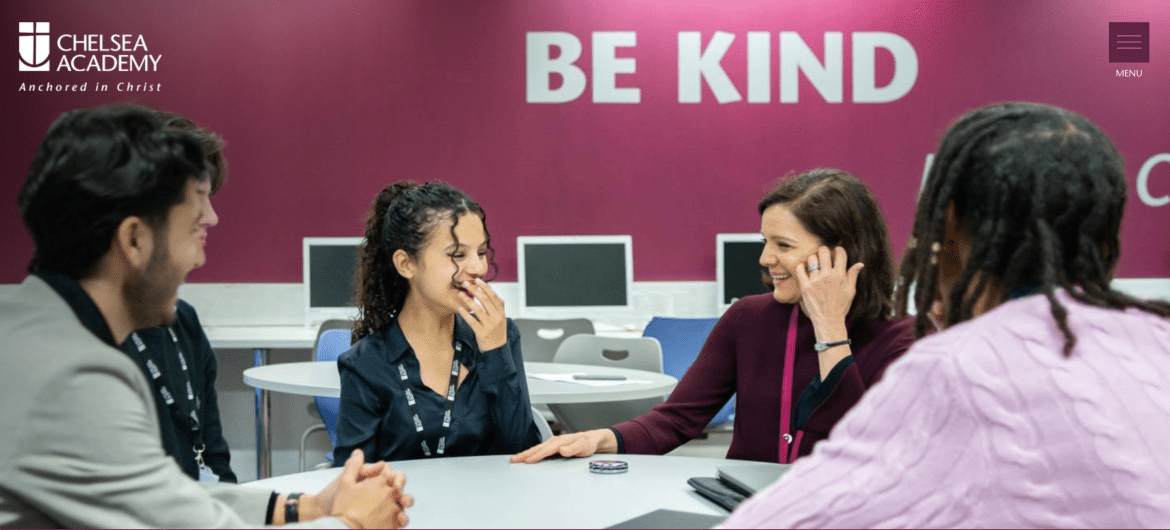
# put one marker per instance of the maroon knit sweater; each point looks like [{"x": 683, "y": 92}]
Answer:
[{"x": 744, "y": 355}]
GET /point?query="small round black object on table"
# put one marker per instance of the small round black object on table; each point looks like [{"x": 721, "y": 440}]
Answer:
[{"x": 608, "y": 467}]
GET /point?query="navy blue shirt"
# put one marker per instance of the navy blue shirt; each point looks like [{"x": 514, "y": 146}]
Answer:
[
  {"x": 491, "y": 414},
  {"x": 177, "y": 436}
]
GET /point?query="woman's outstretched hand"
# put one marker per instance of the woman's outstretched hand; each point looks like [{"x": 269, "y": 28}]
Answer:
[{"x": 577, "y": 444}]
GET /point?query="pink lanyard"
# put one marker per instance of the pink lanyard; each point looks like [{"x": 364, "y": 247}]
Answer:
[{"x": 788, "y": 446}]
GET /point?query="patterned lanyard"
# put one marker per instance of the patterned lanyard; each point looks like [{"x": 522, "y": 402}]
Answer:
[
  {"x": 418, "y": 425},
  {"x": 168, "y": 397}
]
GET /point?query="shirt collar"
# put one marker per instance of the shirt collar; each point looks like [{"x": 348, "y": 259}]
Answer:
[
  {"x": 81, "y": 303},
  {"x": 396, "y": 345}
]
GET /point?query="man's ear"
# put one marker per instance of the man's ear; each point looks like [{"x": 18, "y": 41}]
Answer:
[
  {"x": 405, "y": 265},
  {"x": 134, "y": 240}
]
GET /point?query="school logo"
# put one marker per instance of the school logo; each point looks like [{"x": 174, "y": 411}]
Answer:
[
  {"x": 1129, "y": 42},
  {"x": 34, "y": 47}
]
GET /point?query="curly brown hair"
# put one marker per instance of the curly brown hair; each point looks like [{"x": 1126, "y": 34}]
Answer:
[{"x": 403, "y": 217}]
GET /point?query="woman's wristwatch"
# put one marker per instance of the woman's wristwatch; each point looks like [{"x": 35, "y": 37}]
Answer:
[{"x": 822, "y": 346}]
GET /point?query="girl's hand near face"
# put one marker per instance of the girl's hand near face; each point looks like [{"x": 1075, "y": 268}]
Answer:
[{"x": 486, "y": 318}]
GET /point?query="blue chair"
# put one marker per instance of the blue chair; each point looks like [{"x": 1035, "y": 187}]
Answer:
[
  {"x": 681, "y": 340},
  {"x": 330, "y": 345}
]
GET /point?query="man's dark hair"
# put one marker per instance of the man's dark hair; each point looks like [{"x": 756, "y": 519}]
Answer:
[
  {"x": 212, "y": 145},
  {"x": 96, "y": 167}
]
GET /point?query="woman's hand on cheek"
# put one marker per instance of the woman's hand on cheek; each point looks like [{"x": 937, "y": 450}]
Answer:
[{"x": 826, "y": 291}]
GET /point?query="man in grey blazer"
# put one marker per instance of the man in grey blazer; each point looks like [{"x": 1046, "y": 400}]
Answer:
[{"x": 114, "y": 202}]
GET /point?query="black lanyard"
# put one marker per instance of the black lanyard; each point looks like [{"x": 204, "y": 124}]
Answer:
[
  {"x": 441, "y": 446},
  {"x": 191, "y": 411}
]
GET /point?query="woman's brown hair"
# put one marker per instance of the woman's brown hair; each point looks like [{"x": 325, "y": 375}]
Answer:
[{"x": 838, "y": 208}]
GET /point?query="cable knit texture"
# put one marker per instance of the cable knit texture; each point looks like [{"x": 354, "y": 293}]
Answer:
[{"x": 987, "y": 424}]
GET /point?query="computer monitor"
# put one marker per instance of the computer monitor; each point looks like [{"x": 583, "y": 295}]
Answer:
[
  {"x": 574, "y": 276},
  {"x": 329, "y": 267},
  {"x": 737, "y": 267}
]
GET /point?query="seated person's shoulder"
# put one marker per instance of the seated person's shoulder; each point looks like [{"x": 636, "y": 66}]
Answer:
[
  {"x": 754, "y": 307},
  {"x": 365, "y": 352}
]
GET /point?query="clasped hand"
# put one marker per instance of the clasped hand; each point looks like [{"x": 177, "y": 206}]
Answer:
[{"x": 367, "y": 495}]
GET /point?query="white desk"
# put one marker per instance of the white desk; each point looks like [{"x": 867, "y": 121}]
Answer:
[
  {"x": 490, "y": 492},
  {"x": 260, "y": 339},
  {"x": 322, "y": 379}
]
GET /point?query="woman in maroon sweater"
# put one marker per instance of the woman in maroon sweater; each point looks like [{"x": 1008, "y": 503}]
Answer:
[{"x": 800, "y": 357}]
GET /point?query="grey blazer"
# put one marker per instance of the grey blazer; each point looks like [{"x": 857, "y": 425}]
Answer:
[{"x": 79, "y": 436}]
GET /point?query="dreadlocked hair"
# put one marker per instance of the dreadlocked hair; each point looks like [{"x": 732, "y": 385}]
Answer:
[
  {"x": 1040, "y": 192},
  {"x": 403, "y": 216}
]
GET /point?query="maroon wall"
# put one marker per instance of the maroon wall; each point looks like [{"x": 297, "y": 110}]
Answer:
[{"x": 322, "y": 104}]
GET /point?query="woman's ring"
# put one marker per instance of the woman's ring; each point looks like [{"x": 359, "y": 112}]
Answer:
[{"x": 814, "y": 267}]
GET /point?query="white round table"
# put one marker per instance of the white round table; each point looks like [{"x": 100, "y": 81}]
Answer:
[
  {"x": 322, "y": 379},
  {"x": 490, "y": 492}
]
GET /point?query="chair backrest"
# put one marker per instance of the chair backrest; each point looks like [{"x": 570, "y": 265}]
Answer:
[
  {"x": 331, "y": 343},
  {"x": 681, "y": 340},
  {"x": 330, "y": 325},
  {"x": 635, "y": 353},
  {"x": 541, "y": 425},
  {"x": 539, "y": 339}
]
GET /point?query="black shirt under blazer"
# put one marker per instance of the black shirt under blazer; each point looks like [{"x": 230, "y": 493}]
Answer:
[
  {"x": 492, "y": 414},
  {"x": 178, "y": 440}
]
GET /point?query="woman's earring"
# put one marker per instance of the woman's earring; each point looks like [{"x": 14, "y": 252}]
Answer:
[{"x": 934, "y": 248}]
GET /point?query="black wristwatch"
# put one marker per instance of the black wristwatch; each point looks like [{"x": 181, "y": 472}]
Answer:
[
  {"x": 822, "y": 346},
  {"x": 291, "y": 514}
]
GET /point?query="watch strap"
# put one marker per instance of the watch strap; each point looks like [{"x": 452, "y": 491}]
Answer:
[
  {"x": 291, "y": 512},
  {"x": 822, "y": 346}
]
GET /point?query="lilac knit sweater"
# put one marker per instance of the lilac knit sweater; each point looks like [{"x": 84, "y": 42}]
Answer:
[{"x": 987, "y": 424}]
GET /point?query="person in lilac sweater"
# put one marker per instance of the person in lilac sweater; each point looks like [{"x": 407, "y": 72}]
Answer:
[
  {"x": 1044, "y": 401},
  {"x": 799, "y": 357}
]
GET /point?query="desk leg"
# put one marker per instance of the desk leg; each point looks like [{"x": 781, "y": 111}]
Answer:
[{"x": 263, "y": 414}]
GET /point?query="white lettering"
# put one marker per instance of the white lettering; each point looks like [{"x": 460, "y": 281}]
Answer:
[
  {"x": 606, "y": 66},
  {"x": 865, "y": 45},
  {"x": 541, "y": 65},
  {"x": 1129, "y": 73},
  {"x": 696, "y": 64},
  {"x": 49, "y": 87},
  {"x": 1143, "y": 181},
  {"x": 62, "y": 46},
  {"x": 795, "y": 56},
  {"x": 759, "y": 67}
]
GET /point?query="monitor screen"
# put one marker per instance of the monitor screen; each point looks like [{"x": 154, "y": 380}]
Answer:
[
  {"x": 329, "y": 267},
  {"x": 574, "y": 275},
  {"x": 738, "y": 271}
]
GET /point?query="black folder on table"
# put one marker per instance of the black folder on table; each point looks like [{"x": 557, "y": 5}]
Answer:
[
  {"x": 747, "y": 480},
  {"x": 736, "y": 484}
]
